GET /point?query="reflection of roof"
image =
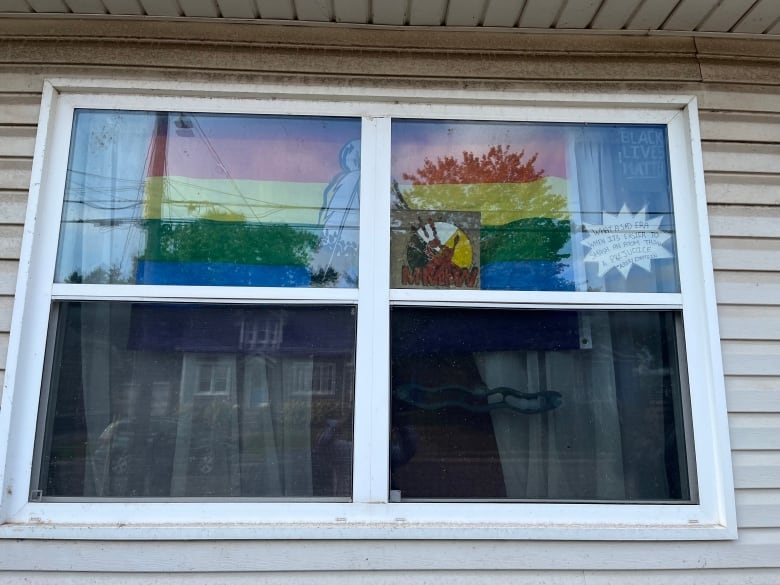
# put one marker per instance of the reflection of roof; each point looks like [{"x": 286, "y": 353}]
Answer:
[
  {"x": 424, "y": 330},
  {"x": 240, "y": 329}
]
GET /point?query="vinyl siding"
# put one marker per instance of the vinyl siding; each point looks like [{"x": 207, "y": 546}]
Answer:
[
  {"x": 739, "y": 100},
  {"x": 741, "y": 152}
]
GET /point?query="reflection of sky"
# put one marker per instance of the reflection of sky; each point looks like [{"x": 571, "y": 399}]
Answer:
[
  {"x": 111, "y": 153},
  {"x": 268, "y": 148},
  {"x": 416, "y": 140}
]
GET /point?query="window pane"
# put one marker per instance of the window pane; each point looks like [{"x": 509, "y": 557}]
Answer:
[
  {"x": 511, "y": 206},
  {"x": 207, "y": 199},
  {"x": 536, "y": 405},
  {"x": 150, "y": 400}
]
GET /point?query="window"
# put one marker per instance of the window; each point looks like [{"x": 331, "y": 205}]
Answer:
[
  {"x": 202, "y": 200},
  {"x": 529, "y": 403},
  {"x": 462, "y": 320}
]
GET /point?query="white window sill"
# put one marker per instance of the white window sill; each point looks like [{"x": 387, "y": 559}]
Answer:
[{"x": 280, "y": 521}]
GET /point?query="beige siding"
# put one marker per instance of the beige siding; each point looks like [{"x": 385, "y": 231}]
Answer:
[
  {"x": 749, "y": 288},
  {"x": 19, "y": 109},
  {"x": 739, "y": 100},
  {"x": 750, "y": 127},
  {"x": 742, "y": 162},
  {"x": 735, "y": 188}
]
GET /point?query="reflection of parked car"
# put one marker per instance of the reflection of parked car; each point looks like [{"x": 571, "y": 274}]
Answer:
[{"x": 128, "y": 464}]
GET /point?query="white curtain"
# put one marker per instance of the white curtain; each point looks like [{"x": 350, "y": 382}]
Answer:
[
  {"x": 102, "y": 233},
  {"x": 570, "y": 452},
  {"x": 104, "y": 194},
  {"x": 575, "y": 450},
  {"x": 96, "y": 380},
  {"x": 227, "y": 424},
  {"x": 276, "y": 430}
]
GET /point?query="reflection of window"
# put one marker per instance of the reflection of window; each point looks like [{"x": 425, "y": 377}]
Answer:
[
  {"x": 324, "y": 378},
  {"x": 262, "y": 334},
  {"x": 212, "y": 378},
  {"x": 514, "y": 359}
]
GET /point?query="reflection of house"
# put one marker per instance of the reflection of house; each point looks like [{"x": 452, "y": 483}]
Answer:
[
  {"x": 726, "y": 54},
  {"x": 244, "y": 413},
  {"x": 238, "y": 411}
]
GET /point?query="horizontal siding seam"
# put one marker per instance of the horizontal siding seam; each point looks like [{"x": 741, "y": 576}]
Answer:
[
  {"x": 727, "y": 141},
  {"x": 730, "y": 172},
  {"x": 719, "y": 205}
]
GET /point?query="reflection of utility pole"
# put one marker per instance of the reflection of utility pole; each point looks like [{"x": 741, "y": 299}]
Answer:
[
  {"x": 142, "y": 442},
  {"x": 155, "y": 184}
]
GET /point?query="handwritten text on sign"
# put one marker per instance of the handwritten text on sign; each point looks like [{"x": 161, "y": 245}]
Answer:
[
  {"x": 625, "y": 240},
  {"x": 642, "y": 153}
]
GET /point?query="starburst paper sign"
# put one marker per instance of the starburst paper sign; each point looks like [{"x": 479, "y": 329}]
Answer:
[{"x": 625, "y": 240}]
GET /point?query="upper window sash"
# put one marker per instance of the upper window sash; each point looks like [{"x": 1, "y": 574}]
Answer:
[{"x": 583, "y": 255}]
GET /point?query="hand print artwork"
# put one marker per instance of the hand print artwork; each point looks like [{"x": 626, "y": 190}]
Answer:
[{"x": 434, "y": 249}]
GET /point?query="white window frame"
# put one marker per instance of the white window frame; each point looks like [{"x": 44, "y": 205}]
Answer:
[{"x": 370, "y": 514}]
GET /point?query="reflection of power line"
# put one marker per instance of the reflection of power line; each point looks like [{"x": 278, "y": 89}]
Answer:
[
  {"x": 180, "y": 187},
  {"x": 218, "y": 159},
  {"x": 105, "y": 222},
  {"x": 187, "y": 222},
  {"x": 106, "y": 207},
  {"x": 252, "y": 204},
  {"x": 107, "y": 178}
]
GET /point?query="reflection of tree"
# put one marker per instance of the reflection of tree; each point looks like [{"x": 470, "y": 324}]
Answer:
[
  {"x": 324, "y": 277},
  {"x": 522, "y": 218},
  {"x": 497, "y": 166},
  {"x": 229, "y": 239},
  {"x": 498, "y": 184},
  {"x": 100, "y": 275}
]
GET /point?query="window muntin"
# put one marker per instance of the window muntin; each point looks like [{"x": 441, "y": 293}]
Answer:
[
  {"x": 531, "y": 206},
  {"x": 150, "y": 400},
  {"x": 211, "y": 199}
]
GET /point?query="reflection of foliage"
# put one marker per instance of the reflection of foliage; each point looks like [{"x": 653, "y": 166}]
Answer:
[
  {"x": 499, "y": 184},
  {"x": 234, "y": 242},
  {"x": 99, "y": 275},
  {"x": 497, "y": 166},
  {"x": 324, "y": 277},
  {"x": 527, "y": 239}
]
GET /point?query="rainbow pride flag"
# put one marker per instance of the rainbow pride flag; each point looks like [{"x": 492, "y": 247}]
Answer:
[
  {"x": 237, "y": 200},
  {"x": 521, "y": 193}
]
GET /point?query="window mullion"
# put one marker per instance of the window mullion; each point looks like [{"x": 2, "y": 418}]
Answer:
[{"x": 371, "y": 467}]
